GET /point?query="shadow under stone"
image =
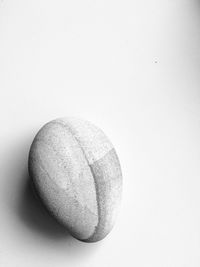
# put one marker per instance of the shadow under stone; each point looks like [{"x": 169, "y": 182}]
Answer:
[
  {"x": 25, "y": 205},
  {"x": 33, "y": 213}
]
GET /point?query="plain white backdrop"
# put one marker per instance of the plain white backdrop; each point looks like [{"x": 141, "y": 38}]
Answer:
[{"x": 133, "y": 69}]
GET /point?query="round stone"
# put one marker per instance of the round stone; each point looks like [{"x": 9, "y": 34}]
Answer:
[{"x": 76, "y": 173}]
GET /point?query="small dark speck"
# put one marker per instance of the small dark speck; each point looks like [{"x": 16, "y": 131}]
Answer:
[{"x": 155, "y": 61}]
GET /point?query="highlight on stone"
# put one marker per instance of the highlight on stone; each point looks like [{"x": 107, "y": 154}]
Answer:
[{"x": 77, "y": 175}]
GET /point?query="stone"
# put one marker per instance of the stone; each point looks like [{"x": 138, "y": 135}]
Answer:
[{"x": 77, "y": 175}]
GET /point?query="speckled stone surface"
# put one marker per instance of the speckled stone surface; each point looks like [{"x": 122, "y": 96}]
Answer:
[{"x": 77, "y": 174}]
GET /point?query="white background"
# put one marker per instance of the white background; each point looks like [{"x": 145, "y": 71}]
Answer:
[{"x": 133, "y": 68}]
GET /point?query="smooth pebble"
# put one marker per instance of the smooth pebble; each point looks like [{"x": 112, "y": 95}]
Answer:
[{"x": 77, "y": 175}]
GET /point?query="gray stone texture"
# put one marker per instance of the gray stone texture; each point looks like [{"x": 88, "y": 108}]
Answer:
[{"x": 77, "y": 174}]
